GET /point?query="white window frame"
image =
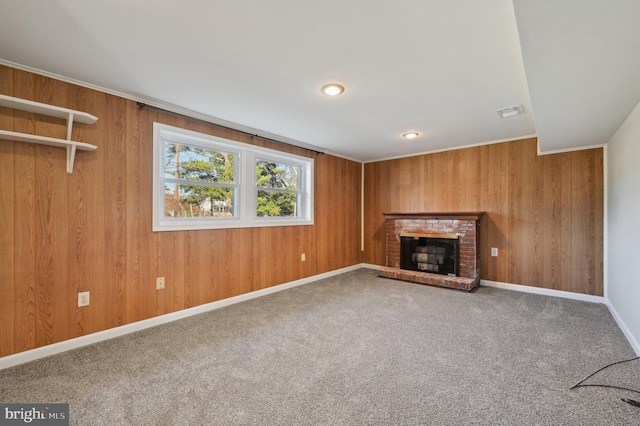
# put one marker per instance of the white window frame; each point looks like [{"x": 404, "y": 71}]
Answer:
[{"x": 245, "y": 196}]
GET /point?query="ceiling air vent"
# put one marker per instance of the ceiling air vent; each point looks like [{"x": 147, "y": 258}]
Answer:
[{"x": 510, "y": 111}]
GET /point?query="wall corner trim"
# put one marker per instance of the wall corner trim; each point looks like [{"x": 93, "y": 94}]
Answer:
[{"x": 625, "y": 330}]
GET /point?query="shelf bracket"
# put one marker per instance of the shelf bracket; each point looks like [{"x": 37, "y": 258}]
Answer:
[
  {"x": 71, "y": 156},
  {"x": 69, "y": 125}
]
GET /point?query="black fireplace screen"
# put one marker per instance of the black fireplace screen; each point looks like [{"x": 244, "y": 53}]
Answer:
[{"x": 426, "y": 254}]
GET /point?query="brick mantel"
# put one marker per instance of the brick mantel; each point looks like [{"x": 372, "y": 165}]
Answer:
[{"x": 465, "y": 225}]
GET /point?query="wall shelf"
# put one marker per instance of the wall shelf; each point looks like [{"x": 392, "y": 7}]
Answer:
[
  {"x": 71, "y": 146},
  {"x": 52, "y": 111}
]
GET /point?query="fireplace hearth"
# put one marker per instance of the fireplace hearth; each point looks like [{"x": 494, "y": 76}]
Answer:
[{"x": 438, "y": 249}]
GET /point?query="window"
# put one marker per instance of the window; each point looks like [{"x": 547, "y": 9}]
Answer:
[
  {"x": 278, "y": 188},
  {"x": 198, "y": 182},
  {"x": 207, "y": 182}
]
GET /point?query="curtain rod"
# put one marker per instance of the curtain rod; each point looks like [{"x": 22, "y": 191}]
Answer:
[{"x": 142, "y": 105}]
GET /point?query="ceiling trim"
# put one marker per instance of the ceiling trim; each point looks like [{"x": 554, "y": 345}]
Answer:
[{"x": 563, "y": 150}]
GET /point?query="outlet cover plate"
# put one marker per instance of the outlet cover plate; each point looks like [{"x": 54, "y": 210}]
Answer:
[{"x": 83, "y": 299}]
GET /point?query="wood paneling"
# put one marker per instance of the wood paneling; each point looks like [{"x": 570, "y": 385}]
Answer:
[
  {"x": 583, "y": 267},
  {"x": 598, "y": 238},
  {"x": 552, "y": 198},
  {"x": 114, "y": 184},
  {"x": 89, "y": 242},
  {"x": 337, "y": 214},
  {"x": 7, "y": 219},
  {"x": 91, "y": 231},
  {"x": 544, "y": 213},
  {"x": 53, "y": 248},
  {"x": 24, "y": 202}
]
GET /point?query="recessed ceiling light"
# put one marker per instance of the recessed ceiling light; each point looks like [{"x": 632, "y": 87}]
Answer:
[
  {"x": 411, "y": 135},
  {"x": 332, "y": 89},
  {"x": 510, "y": 111}
]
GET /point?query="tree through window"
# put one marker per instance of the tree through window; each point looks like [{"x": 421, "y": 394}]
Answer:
[
  {"x": 277, "y": 185},
  {"x": 198, "y": 182}
]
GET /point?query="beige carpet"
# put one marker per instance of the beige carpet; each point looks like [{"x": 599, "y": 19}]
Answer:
[{"x": 351, "y": 350}]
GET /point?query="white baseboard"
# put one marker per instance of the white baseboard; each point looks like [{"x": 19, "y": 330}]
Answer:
[
  {"x": 56, "y": 348},
  {"x": 544, "y": 291},
  {"x": 625, "y": 330},
  {"x": 576, "y": 296},
  {"x": 371, "y": 266}
]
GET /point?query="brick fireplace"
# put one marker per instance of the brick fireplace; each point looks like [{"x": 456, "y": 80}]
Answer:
[{"x": 462, "y": 226}]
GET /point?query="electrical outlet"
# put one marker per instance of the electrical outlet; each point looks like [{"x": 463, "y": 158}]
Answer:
[
  {"x": 303, "y": 257},
  {"x": 494, "y": 251},
  {"x": 83, "y": 299},
  {"x": 159, "y": 283}
]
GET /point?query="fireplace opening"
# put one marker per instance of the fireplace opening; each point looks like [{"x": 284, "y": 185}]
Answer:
[{"x": 433, "y": 253}]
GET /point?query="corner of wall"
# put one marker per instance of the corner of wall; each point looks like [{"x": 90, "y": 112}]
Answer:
[{"x": 625, "y": 330}]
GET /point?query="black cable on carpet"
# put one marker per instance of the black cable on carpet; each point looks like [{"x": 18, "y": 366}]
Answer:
[{"x": 628, "y": 401}]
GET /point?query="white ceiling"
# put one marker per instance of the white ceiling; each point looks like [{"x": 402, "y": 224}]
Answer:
[
  {"x": 441, "y": 68},
  {"x": 582, "y": 59}
]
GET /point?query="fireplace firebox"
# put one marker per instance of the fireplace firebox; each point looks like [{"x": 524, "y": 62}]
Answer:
[{"x": 434, "y": 253}]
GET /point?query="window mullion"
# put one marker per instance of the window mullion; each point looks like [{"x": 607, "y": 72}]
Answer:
[
  {"x": 200, "y": 183},
  {"x": 249, "y": 184},
  {"x": 283, "y": 191}
]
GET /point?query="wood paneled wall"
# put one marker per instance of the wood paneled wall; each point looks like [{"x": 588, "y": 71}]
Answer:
[
  {"x": 64, "y": 233},
  {"x": 544, "y": 213}
]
